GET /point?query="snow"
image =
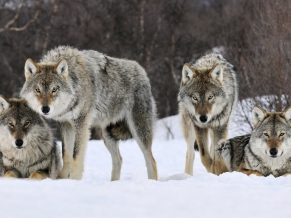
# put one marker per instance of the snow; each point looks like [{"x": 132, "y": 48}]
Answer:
[{"x": 176, "y": 194}]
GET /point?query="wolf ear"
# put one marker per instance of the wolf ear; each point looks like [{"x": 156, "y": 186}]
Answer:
[
  {"x": 287, "y": 113},
  {"x": 258, "y": 114},
  {"x": 62, "y": 68},
  {"x": 30, "y": 68},
  {"x": 187, "y": 73},
  {"x": 217, "y": 73},
  {"x": 3, "y": 104}
]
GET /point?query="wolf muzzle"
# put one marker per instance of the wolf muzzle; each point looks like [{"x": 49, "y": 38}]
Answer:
[
  {"x": 203, "y": 118},
  {"x": 19, "y": 143},
  {"x": 273, "y": 152},
  {"x": 45, "y": 109}
]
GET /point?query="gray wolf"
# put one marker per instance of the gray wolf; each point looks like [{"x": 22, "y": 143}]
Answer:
[
  {"x": 207, "y": 98},
  {"x": 266, "y": 151},
  {"x": 80, "y": 88},
  {"x": 28, "y": 149}
]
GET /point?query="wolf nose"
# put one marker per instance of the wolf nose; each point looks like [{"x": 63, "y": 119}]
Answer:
[
  {"x": 203, "y": 118},
  {"x": 19, "y": 142},
  {"x": 45, "y": 109},
  {"x": 273, "y": 151}
]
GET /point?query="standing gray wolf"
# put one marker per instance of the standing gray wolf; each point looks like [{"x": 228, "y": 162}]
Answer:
[
  {"x": 267, "y": 151},
  {"x": 207, "y": 98},
  {"x": 28, "y": 149},
  {"x": 78, "y": 88}
]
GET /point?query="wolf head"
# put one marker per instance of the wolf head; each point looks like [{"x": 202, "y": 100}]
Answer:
[
  {"x": 47, "y": 86},
  {"x": 202, "y": 92},
  {"x": 18, "y": 121},
  {"x": 272, "y": 132}
]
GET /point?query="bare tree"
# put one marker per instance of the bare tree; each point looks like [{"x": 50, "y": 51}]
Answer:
[{"x": 8, "y": 26}]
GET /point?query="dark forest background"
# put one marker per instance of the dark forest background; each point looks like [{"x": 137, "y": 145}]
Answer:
[{"x": 254, "y": 35}]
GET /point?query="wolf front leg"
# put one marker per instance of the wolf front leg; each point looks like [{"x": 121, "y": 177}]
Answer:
[
  {"x": 68, "y": 140},
  {"x": 189, "y": 135},
  {"x": 244, "y": 168},
  {"x": 219, "y": 165},
  {"x": 82, "y": 135},
  {"x": 218, "y": 133},
  {"x": 202, "y": 141},
  {"x": 286, "y": 174}
]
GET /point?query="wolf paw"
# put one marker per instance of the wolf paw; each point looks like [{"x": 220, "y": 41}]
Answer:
[
  {"x": 38, "y": 175},
  {"x": 65, "y": 172},
  {"x": 10, "y": 174},
  {"x": 223, "y": 146}
]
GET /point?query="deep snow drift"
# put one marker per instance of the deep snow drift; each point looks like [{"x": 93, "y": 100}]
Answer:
[{"x": 175, "y": 195}]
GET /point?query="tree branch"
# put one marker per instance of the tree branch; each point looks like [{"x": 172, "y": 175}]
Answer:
[{"x": 12, "y": 21}]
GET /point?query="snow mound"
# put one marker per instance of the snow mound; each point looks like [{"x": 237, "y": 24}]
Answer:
[{"x": 179, "y": 176}]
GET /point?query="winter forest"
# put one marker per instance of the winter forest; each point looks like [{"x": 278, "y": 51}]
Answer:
[{"x": 160, "y": 35}]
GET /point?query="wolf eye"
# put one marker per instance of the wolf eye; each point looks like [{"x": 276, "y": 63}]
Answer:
[
  {"x": 55, "y": 89},
  {"x": 266, "y": 134},
  {"x": 210, "y": 97},
  {"x": 282, "y": 133},
  {"x": 10, "y": 124},
  {"x": 26, "y": 124},
  {"x": 37, "y": 90},
  {"x": 194, "y": 98}
]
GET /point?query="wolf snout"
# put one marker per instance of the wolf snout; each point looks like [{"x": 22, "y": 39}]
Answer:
[
  {"x": 45, "y": 109},
  {"x": 273, "y": 152},
  {"x": 203, "y": 118},
  {"x": 19, "y": 143}
]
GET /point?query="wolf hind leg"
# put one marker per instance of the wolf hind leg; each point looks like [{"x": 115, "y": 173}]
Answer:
[
  {"x": 68, "y": 141},
  {"x": 189, "y": 136},
  {"x": 112, "y": 145},
  {"x": 12, "y": 174},
  {"x": 141, "y": 127}
]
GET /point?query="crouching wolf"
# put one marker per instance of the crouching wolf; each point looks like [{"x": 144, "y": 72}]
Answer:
[
  {"x": 27, "y": 146},
  {"x": 207, "y": 97},
  {"x": 78, "y": 88},
  {"x": 267, "y": 151}
]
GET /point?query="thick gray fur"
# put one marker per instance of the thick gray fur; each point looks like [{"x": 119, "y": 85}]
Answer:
[
  {"x": 39, "y": 153},
  {"x": 233, "y": 151},
  {"x": 251, "y": 154},
  {"x": 112, "y": 93}
]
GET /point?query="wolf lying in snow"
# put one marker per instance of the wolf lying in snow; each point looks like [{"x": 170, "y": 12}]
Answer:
[
  {"x": 267, "y": 151},
  {"x": 27, "y": 146}
]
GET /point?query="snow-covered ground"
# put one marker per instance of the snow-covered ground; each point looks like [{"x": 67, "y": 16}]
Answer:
[{"x": 175, "y": 195}]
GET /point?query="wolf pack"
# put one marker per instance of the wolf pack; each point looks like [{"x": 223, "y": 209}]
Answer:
[{"x": 84, "y": 88}]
